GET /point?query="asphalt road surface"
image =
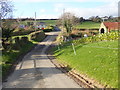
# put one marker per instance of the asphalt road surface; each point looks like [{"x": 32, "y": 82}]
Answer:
[{"x": 36, "y": 70}]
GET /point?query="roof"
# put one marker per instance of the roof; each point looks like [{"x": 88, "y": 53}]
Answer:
[{"x": 112, "y": 25}]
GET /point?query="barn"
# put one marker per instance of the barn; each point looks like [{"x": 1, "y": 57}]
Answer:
[{"x": 106, "y": 27}]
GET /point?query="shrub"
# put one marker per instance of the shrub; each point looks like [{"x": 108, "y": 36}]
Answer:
[
  {"x": 97, "y": 38},
  {"x": 47, "y": 30}
]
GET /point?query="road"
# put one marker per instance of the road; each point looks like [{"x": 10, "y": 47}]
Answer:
[{"x": 37, "y": 71}]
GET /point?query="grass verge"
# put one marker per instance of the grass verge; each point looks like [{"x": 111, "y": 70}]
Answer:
[{"x": 98, "y": 61}]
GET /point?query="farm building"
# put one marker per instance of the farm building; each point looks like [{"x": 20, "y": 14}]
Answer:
[
  {"x": 108, "y": 26},
  {"x": 41, "y": 25}
]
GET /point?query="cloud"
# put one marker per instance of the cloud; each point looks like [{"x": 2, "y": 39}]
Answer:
[
  {"x": 50, "y": 16},
  {"x": 58, "y": 7},
  {"x": 30, "y": 0},
  {"x": 105, "y": 10},
  {"x": 42, "y": 10},
  {"x": 111, "y": 8},
  {"x": 65, "y": 0}
]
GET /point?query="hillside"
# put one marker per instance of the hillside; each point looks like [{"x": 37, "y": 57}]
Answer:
[{"x": 88, "y": 25}]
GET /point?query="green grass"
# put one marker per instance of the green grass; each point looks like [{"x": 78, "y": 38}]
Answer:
[
  {"x": 88, "y": 25},
  {"x": 98, "y": 63},
  {"x": 48, "y": 22}
]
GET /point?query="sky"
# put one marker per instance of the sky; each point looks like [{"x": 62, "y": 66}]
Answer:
[{"x": 53, "y": 9}]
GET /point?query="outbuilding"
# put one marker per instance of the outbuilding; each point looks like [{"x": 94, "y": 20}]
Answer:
[{"x": 106, "y": 27}]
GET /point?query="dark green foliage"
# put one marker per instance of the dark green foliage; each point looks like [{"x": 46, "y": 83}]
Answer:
[
  {"x": 25, "y": 32},
  {"x": 47, "y": 30}
]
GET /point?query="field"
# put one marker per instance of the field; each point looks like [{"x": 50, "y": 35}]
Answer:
[
  {"x": 88, "y": 25},
  {"x": 96, "y": 60},
  {"x": 48, "y": 22}
]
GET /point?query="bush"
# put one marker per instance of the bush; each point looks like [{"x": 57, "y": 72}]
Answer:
[
  {"x": 37, "y": 36},
  {"x": 102, "y": 37},
  {"x": 22, "y": 32},
  {"x": 97, "y": 38},
  {"x": 47, "y": 30},
  {"x": 77, "y": 35}
]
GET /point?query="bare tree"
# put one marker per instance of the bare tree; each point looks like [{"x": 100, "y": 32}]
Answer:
[
  {"x": 68, "y": 20},
  {"x": 6, "y": 26},
  {"x": 6, "y": 8}
]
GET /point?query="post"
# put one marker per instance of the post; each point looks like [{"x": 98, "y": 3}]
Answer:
[
  {"x": 35, "y": 21},
  {"x": 58, "y": 47},
  {"x": 73, "y": 48}
]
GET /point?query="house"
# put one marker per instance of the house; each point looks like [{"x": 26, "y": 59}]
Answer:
[
  {"x": 108, "y": 26},
  {"x": 22, "y": 26},
  {"x": 41, "y": 25}
]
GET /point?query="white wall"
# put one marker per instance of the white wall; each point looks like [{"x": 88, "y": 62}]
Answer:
[{"x": 103, "y": 26}]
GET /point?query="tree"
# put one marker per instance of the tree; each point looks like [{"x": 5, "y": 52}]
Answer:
[
  {"x": 6, "y": 26},
  {"x": 68, "y": 20},
  {"x": 81, "y": 19},
  {"x": 6, "y": 8},
  {"x": 95, "y": 19}
]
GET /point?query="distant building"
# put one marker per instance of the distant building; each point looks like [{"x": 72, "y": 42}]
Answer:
[
  {"x": 21, "y": 26},
  {"x": 41, "y": 25},
  {"x": 108, "y": 26}
]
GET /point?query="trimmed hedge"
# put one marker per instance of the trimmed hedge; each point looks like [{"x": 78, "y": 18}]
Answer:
[
  {"x": 24, "y": 32},
  {"x": 37, "y": 35}
]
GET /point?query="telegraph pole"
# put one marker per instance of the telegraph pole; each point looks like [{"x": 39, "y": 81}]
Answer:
[{"x": 35, "y": 22}]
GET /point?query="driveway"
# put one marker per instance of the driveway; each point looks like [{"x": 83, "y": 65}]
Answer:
[{"x": 37, "y": 71}]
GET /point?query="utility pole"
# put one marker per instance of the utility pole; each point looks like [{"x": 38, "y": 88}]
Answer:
[
  {"x": 63, "y": 23},
  {"x": 63, "y": 17},
  {"x": 35, "y": 22}
]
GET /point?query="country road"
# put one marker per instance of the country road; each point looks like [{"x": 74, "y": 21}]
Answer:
[{"x": 37, "y": 71}]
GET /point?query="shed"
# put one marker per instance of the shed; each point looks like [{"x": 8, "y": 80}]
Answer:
[{"x": 108, "y": 26}]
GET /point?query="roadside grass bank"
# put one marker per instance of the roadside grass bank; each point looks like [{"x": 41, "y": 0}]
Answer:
[
  {"x": 20, "y": 46},
  {"x": 97, "y": 60}
]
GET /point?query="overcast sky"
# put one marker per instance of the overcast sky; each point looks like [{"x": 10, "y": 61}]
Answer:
[{"x": 47, "y": 9}]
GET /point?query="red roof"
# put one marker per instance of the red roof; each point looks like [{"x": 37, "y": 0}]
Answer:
[{"x": 112, "y": 25}]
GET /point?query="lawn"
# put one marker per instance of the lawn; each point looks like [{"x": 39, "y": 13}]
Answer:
[
  {"x": 88, "y": 25},
  {"x": 96, "y": 60}
]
